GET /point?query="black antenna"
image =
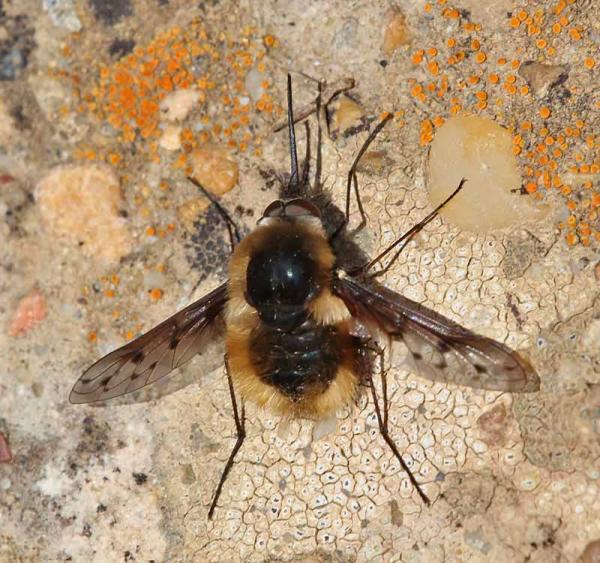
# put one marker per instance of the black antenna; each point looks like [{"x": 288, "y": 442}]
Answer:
[{"x": 293, "y": 185}]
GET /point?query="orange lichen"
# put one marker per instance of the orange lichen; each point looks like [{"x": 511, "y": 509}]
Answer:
[
  {"x": 417, "y": 57},
  {"x": 545, "y": 112},
  {"x": 571, "y": 239},
  {"x": 575, "y": 34},
  {"x": 560, "y": 6},
  {"x": 128, "y": 95},
  {"x": 155, "y": 293},
  {"x": 426, "y": 132},
  {"x": 269, "y": 40},
  {"x": 433, "y": 67},
  {"x": 451, "y": 13},
  {"x": 114, "y": 158},
  {"x": 531, "y": 187}
]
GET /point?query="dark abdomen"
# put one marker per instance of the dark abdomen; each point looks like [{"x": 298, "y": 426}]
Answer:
[{"x": 300, "y": 363}]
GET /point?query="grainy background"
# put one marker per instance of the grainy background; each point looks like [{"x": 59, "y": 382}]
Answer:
[{"x": 102, "y": 237}]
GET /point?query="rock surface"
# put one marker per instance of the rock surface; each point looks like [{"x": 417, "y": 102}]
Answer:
[
  {"x": 512, "y": 477},
  {"x": 82, "y": 204}
]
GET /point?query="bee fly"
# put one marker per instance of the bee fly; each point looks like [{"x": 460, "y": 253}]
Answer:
[{"x": 303, "y": 322}]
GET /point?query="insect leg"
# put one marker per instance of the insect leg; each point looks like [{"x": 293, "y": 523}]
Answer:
[
  {"x": 407, "y": 237},
  {"x": 293, "y": 184},
  {"x": 319, "y": 158},
  {"x": 329, "y": 93},
  {"x": 240, "y": 425},
  {"x": 234, "y": 233},
  {"x": 303, "y": 185},
  {"x": 383, "y": 425},
  {"x": 353, "y": 181},
  {"x": 306, "y": 163}
]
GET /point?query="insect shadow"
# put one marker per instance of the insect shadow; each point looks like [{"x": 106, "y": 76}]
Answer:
[{"x": 304, "y": 318}]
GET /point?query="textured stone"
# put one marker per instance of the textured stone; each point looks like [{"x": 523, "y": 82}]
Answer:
[
  {"x": 215, "y": 168},
  {"x": 189, "y": 211},
  {"x": 72, "y": 492},
  {"x": 170, "y": 140},
  {"x": 541, "y": 77},
  {"x": 177, "y": 105},
  {"x": 396, "y": 32},
  {"x": 30, "y": 312},
  {"x": 82, "y": 205},
  {"x": 347, "y": 114}
]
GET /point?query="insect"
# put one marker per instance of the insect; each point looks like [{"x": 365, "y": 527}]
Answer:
[{"x": 304, "y": 317}]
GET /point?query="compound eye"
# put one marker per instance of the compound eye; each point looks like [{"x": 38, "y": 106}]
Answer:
[
  {"x": 279, "y": 277},
  {"x": 274, "y": 209},
  {"x": 301, "y": 208},
  {"x": 291, "y": 209}
]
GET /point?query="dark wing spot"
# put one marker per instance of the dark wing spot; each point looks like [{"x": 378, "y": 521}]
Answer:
[
  {"x": 442, "y": 364},
  {"x": 135, "y": 376},
  {"x": 479, "y": 368},
  {"x": 173, "y": 343},
  {"x": 137, "y": 357},
  {"x": 442, "y": 347},
  {"x": 417, "y": 356}
]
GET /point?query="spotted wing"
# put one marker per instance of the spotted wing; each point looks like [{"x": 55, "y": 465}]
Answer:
[
  {"x": 154, "y": 354},
  {"x": 441, "y": 349}
]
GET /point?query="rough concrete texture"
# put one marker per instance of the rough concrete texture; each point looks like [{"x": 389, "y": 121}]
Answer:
[{"x": 512, "y": 478}]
